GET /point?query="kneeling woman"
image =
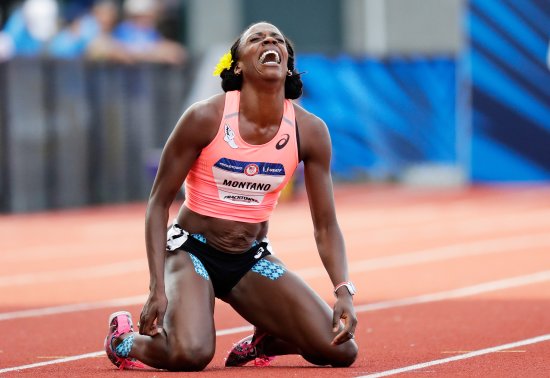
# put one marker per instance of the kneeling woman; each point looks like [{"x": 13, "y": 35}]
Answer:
[{"x": 235, "y": 152}]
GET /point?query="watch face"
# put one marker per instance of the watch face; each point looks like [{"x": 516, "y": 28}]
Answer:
[{"x": 349, "y": 287}]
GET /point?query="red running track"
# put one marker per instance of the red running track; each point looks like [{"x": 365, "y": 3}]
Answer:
[{"x": 451, "y": 283}]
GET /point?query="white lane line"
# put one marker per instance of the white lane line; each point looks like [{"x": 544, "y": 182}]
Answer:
[
  {"x": 223, "y": 332},
  {"x": 461, "y": 292},
  {"x": 54, "y": 310},
  {"x": 480, "y": 352},
  {"x": 462, "y": 221},
  {"x": 456, "y": 293},
  {"x": 475, "y": 248},
  {"x": 128, "y": 266},
  {"x": 466, "y": 291},
  {"x": 52, "y": 362}
]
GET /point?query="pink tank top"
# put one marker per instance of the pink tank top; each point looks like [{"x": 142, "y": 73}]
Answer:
[{"x": 234, "y": 180}]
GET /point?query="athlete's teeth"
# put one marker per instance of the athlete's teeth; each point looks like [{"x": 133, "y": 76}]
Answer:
[{"x": 264, "y": 55}]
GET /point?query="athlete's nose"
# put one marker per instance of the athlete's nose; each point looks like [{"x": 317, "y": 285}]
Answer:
[{"x": 270, "y": 40}]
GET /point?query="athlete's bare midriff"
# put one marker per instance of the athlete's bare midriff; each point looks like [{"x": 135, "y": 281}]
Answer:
[{"x": 226, "y": 235}]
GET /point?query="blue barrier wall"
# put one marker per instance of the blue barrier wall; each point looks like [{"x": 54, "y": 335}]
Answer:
[
  {"x": 509, "y": 41},
  {"x": 383, "y": 115}
]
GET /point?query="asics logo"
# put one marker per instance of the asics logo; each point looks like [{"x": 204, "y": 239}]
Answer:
[{"x": 282, "y": 142}]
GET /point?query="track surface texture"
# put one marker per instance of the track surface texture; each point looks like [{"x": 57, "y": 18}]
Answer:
[{"x": 451, "y": 283}]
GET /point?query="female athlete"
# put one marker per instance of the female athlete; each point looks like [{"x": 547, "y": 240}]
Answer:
[{"x": 235, "y": 152}]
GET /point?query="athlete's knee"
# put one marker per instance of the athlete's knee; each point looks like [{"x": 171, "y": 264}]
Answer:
[
  {"x": 190, "y": 355},
  {"x": 346, "y": 355},
  {"x": 189, "y": 359},
  {"x": 342, "y": 356}
]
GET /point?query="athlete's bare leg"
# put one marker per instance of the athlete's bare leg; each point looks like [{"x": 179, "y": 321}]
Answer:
[
  {"x": 189, "y": 338},
  {"x": 299, "y": 320}
]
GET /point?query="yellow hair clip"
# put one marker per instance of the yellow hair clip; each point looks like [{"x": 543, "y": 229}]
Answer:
[{"x": 224, "y": 64}]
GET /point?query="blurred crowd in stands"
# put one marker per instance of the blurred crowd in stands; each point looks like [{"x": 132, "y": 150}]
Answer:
[{"x": 101, "y": 30}]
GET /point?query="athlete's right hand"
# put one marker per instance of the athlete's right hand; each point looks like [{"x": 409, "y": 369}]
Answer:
[{"x": 152, "y": 314}]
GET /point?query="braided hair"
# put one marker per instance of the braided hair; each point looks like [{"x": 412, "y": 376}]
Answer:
[{"x": 293, "y": 83}]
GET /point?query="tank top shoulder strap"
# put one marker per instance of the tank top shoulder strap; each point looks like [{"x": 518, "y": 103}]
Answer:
[
  {"x": 231, "y": 108},
  {"x": 289, "y": 115}
]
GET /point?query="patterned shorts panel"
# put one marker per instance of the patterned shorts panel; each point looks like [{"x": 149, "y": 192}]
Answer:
[
  {"x": 199, "y": 267},
  {"x": 269, "y": 269}
]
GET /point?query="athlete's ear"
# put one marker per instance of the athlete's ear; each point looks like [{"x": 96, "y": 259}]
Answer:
[{"x": 237, "y": 70}]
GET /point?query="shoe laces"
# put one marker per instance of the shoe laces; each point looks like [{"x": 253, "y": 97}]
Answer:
[
  {"x": 248, "y": 348},
  {"x": 128, "y": 363},
  {"x": 263, "y": 361},
  {"x": 244, "y": 348}
]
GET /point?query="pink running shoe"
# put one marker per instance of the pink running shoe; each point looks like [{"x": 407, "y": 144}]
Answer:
[
  {"x": 120, "y": 323},
  {"x": 248, "y": 349}
]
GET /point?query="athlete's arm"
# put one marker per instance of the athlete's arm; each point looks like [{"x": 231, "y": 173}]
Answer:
[
  {"x": 194, "y": 130},
  {"x": 316, "y": 154}
]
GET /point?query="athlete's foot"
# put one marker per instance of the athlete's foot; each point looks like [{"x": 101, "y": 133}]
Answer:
[
  {"x": 249, "y": 349},
  {"x": 118, "y": 342}
]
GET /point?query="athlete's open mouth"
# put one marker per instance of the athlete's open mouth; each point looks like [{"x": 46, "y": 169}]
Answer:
[{"x": 270, "y": 57}]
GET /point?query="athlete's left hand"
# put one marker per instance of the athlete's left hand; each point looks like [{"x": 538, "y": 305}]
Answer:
[{"x": 343, "y": 310}]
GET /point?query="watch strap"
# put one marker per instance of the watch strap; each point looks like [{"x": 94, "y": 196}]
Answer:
[{"x": 349, "y": 286}]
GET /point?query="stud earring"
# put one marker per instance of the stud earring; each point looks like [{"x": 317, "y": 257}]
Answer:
[{"x": 289, "y": 73}]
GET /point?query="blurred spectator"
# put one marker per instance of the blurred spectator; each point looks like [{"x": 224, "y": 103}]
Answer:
[
  {"x": 6, "y": 47},
  {"x": 138, "y": 32},
  {"x": 31, "y": 26},
  {"x": 32, "y": 29},
  {"x": 73, "y": 40},
  {"x": 102, "y": 23},
  {"x": 6, "y": 44}
]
